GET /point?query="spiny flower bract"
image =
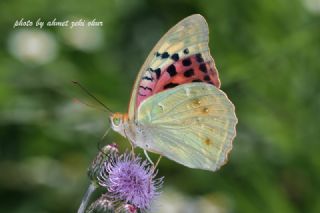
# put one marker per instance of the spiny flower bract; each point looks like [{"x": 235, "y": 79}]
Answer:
[{"x": 105, "y": 154}]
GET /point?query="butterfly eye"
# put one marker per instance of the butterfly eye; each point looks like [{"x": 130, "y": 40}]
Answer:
[{"x": 116, "y": 121}]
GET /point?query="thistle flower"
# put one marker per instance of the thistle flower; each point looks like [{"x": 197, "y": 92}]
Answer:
[
  {"x": 106, "y": 153},
  {"x": 131, "y": 180}
]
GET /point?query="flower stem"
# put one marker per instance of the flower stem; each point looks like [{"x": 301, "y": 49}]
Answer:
[{"x": 84, "y": 203}]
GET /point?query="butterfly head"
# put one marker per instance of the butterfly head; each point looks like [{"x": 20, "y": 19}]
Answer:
[{"x": 118, "y": 122}]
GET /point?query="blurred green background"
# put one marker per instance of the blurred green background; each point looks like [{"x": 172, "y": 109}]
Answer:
[{"x": 267, "y": 54}]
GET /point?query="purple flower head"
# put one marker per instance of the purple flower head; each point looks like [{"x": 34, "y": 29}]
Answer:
[{"x": 131, "y": 180}]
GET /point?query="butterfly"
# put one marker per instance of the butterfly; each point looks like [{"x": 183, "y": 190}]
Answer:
[{"x": 176, "y": 108}]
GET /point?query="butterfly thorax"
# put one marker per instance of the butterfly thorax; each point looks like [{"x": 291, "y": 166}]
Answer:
[{"x": 136, "y": 133}]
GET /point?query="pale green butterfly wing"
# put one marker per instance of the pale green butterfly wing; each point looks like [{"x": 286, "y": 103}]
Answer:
[
  {"x": 189, "y": 34},
  {"x": 192, "y": 124}
]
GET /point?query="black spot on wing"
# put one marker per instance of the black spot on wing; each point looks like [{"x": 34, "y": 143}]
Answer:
[
  {"x": 165, "y": 55},
  {"x": 170, "y": 85},
  {"x": 157, "y": 71},
  {"x": 186, "y": 62},
  {"x": 175, "y": 57},
  {"x": 196, "y": 80},
  {"x": 206, "y": 78},
  {"x": 203, "y": 68},
  {"x": 147, "y": 78},
  {"x": 172, "y": 70},
  {"x": 199, "y": 58},
  {"x": 186, "y": 51},
  {"x": 146, "y": 88},
  {"x": 162, "y": 55},
  {"x": 188, "y": 73}
]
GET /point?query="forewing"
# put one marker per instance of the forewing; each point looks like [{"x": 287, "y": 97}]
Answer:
[
  {"x": 192, "y": 124},
  {"x": 181, "y": 56}
]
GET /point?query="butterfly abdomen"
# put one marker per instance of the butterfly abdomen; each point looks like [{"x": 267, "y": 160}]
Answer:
[{"x": 187, "y": 69}]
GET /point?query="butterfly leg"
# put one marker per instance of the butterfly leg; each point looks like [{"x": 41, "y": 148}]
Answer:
[
  {"x": 158, "y": 161},
  {"x": 132, "y": 149},
  {"x": 147, "y": 156}
]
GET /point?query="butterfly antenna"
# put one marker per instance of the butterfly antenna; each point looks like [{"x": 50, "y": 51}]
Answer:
[
  {"x": 92, "y": 96},
  {"x": 90, "y": 105}
]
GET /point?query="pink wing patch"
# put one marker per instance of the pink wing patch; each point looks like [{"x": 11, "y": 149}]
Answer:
[{"x": 186, "y": 70}]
